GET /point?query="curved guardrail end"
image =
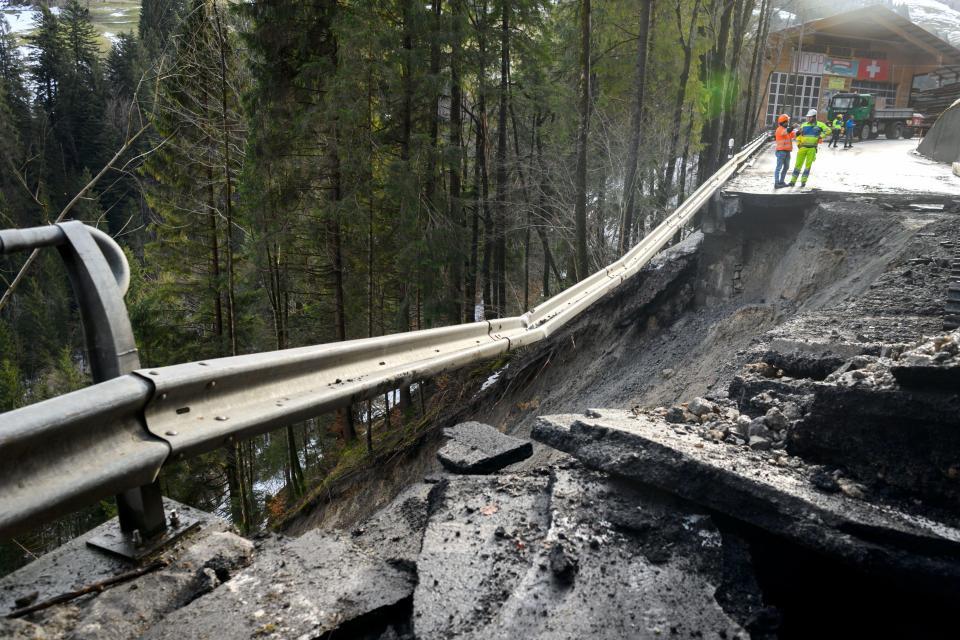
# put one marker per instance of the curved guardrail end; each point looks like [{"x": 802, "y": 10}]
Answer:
[{"x": 116, "y": 258}]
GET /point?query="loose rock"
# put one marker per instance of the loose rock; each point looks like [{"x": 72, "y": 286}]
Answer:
[
  {"x": 701, "y": 407},
  {"x": 478, "y": 448}
]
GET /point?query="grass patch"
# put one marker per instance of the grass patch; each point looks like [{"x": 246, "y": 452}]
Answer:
[
  {"x": 110, "y": 19},
  {"x": 113, "y": 18}
]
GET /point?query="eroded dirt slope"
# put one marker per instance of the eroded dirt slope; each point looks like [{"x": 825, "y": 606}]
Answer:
[{"x": 885, "y": 271}]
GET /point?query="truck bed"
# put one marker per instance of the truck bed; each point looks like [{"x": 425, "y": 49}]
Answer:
[{"x": 893, "y": 114}]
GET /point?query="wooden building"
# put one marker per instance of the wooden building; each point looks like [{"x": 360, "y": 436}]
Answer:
[{"x": 869, "y": 50}]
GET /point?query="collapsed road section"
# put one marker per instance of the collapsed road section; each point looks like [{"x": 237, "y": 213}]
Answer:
[{"x": 775, "y": 456}]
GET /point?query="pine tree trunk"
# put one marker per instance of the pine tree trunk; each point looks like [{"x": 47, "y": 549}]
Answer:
[
  {"x": 718, "y": 76},
  {"x": 526, "y": 203},
  {"x": 215, "y": 271},
  {"x": 636, "y": 125},
  {"x": 296, "y": 472},
  {"x": 406, "y": 116},
  {"x": 489, "y": 309},
  {"x": 500, "y": 221},
  {"x": 687, "y": 45},
  {"x": 687, "y": 140},
  {"x": 742, "y": 15},
  {"x": 228, "y": 182},
  {"x": 753, "y": 85},
  {"x": 238, "y": 502},
  {"x": 344, "y": 416},
  {"x": 431, "y": 177},
  {"x": 548, "y": 262},
  {"x": 456, "y": 145},
  {"x": 406, "y": 132},
  {"x": 600, "y": 239},
  {"x": 580, "y": 178},
  {"x": 470, "y": 296}
]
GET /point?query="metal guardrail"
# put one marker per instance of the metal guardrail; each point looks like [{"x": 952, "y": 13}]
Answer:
[{"x": 116, "y": 435}]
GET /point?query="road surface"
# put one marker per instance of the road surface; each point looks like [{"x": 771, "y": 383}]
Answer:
[{"x": 871, "y": 167}]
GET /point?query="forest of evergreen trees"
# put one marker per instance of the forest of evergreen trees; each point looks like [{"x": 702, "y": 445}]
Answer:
[{"x": 290, "y": 172}]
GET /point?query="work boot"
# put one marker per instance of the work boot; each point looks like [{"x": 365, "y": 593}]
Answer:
[{"x": 779, "y": 185}]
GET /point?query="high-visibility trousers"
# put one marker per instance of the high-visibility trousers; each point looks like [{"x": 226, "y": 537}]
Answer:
[{"x": 805, "y": 158}]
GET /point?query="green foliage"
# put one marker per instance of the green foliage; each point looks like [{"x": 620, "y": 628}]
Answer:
[
  {"x": 11, "y": 385},
  {"x": 158, "y": 20}
]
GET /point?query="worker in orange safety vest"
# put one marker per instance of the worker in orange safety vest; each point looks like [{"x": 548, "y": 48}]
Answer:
[{"x": 784, "y": 136}]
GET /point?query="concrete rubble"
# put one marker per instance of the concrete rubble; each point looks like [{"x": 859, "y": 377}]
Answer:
[
  {"x": 778, "y": 493},
  {"x": 299, "y": 587},
  {"x": 558, "y": 552},
  {"x": 889, "y": 420},
  {"x": 474, "y": 447},
  {"x": 569, "y": 554}
]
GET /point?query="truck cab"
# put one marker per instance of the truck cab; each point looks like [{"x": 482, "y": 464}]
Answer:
[{"x": 859, "y": 105}]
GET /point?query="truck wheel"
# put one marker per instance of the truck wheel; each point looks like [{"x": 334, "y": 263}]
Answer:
[
  {"x": 908, "y": 132},
  {"x": 864, "y": 132},
  {"x": 894, "y": 130}
]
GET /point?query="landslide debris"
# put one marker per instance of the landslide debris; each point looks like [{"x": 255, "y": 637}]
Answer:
[
  {"x": 778, "y": 494},
  {"x": 474, "y": 447},
  {"x": 567, "y": 553}
]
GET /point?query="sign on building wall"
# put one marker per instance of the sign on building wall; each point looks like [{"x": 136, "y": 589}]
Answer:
[
  {"x": 838, "y": 84},
  {"x": 875, "y": 70},
  {"x": 811, "y": 63},
  {"x": 844, "y": 67}
]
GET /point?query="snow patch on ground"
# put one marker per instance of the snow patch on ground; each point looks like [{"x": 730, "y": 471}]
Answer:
[
  {"x": 22, "y": 18},
  {"x": 492, "y": 380},
  {"x": 19, "y": 19}
]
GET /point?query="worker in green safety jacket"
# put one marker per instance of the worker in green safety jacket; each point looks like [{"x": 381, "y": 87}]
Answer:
[
  {"x": 837, "y": 126},
  {"x": 809, "y": 136}
]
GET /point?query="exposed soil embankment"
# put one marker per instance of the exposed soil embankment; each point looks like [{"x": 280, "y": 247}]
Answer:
[{"x": 767, "y": 268}]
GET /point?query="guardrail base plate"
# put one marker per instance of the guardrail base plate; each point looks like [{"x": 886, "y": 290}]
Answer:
[{"x": 114, "y": 541}]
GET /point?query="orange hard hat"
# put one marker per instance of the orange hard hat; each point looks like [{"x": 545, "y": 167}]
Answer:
[{"x": 783, "y": 118}]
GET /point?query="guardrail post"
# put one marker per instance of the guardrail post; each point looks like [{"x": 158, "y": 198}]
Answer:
[{"x": 100, "y": 276}]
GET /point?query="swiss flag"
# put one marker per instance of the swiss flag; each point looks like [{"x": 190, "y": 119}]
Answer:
[{"x": 870, "y": 69}]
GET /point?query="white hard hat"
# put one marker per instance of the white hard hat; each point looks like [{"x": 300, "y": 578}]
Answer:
[{"x": 812, "y": 112}]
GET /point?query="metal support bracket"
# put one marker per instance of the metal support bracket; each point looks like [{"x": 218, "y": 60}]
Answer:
[{"x": 132, "y": 546}]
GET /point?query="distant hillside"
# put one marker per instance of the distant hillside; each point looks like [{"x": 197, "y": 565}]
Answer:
[
  {"x": 936, "y": 16},
  {"x": 940, "y": 17}
]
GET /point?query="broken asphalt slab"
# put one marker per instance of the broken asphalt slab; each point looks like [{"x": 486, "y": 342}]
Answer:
[
  {"x": 295, "y": 588},
  {"x": 478, "y": 448},
  {"x": 128, "y": 611},
  {"x": 749, "y": 487},
  {"x": 567, "y": 553},
  {"x": 395, "y": 532},
  {"x": 75, "y": 565}
]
